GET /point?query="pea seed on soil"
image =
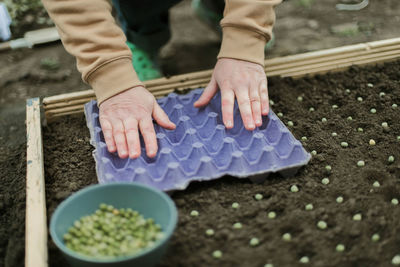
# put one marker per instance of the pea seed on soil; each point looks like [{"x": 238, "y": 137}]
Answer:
[{"x": 69, "y": 166}]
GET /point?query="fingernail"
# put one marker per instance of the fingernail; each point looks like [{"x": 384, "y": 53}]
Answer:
[
  {"x": 123, "y": 152},
  {"x": 258, "y": 121},
  {"x": 229, "y": 124},
  {"x": 265, "y": 110},
  {"x": 251, "y": 125}
]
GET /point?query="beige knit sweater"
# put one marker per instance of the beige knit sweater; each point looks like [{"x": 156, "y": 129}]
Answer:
[{"x": 90, "y": 33}]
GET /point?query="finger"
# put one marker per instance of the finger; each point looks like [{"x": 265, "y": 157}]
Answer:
[
  {"x": 243, "y": 99},
  {"x": 255, "y": 104},
  {"x": 162, "y": 118},
  {"x": 227, "y": 103},
  {"x": 108, "y": 135},
  {"x": 208, "y": 94},
  {"x": 149, "y": 136},
  {"x": 132, "y": 137},
  {"x": 119, "y": 138},
  {"x": 264, "y": 97}
]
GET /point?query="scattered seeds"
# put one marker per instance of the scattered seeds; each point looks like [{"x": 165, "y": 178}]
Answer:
[
  {"x": 237, "y": 225},
  {"x": 396, "y": 260},
  {"x": 325, "y": 181},
  {"x": 334, "y": 106},
  {"x": 299, "y": 98},
  {"x": 304, "y": 138},
  {"x": 370, "y": 85},
  {"x": 372, "y": 142},
  {"x": 385, "y": 125},
  {"x": 391, "y": 159},
  {"x": 373, "y": 111},
  {"x": 347, "y": 91},
  {"x": 322, "y": 225},
  {"x": 309, "y": 206},
  {"x": 359, "y": 129},
  {"x": 311, "y": 109},
  {"x": 258, "y": 197},
  {"x": 394, "y": 106},
  {"x": 304, "y": 259},
  {"x": 395, "y": 201},
  {"x": 360, "y": 163},
  {"x": 334, "y": 134},
  {"x": 194, "y": 213},
  {"x": 382, "y": 94},
  {"x": 324, "y": 120},
  {"x": 272, "y": 214},
  {"x": 313, "y": 152},
  {"x": 294, "y": 188},
  {"x": 340, "y": 248},
  {"x": 339, "y": 199},
  {"x": 254, "y": 242},
  {"x": 209, "y": 232},
  {"x": 359, "y": 99},
  {"x": 287, "y": 236},
  {"x": 375, "y": 237},
  {"x": 217, "y": 254},
  {"x": 349, "y": 118},
  {"x": 280, "y": 114},
  {"x": 344, "y": 144},
  {"x": 235, "y": 205},
  {"x": 290, "y": 123},
  {"x": 271, "y": 102},
  {"x": 357, "y": 217},
  {"x": 376, "y": 184}
]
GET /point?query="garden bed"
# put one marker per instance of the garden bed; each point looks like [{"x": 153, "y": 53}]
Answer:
[{"x": 69, "y": 166}]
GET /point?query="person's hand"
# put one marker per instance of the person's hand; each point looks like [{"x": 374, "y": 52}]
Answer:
[
  {"x": 123, "y": 115},
  {"x": 243, "y": 80}
]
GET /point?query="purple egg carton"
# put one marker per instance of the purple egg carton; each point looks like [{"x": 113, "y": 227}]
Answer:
[{"x": 200, "y": 148}]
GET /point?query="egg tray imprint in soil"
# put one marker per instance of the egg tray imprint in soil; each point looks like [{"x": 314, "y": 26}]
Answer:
[{"x": 69, "y": 166}]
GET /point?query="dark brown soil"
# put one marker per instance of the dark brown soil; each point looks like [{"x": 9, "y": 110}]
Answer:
[
  {"x": 70, "y": 166},
  {"x": 193, "y": 47}
]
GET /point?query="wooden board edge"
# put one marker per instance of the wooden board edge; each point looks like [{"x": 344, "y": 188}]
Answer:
[{"x": 36, "y": 254}]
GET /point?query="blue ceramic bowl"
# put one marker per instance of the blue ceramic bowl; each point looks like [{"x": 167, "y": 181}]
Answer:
[{"x": 149, "y": 202}]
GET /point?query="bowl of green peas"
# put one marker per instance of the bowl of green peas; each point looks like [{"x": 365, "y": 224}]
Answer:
[{"x": 116, "y": 224}]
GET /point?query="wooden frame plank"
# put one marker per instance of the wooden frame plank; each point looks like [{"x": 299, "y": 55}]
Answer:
[
  {"x": 36, "y": 220},
  {"x": 310, "y": 63}
]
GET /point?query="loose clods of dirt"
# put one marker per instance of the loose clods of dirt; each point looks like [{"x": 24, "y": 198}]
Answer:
[{"x": 335, "y": 217}]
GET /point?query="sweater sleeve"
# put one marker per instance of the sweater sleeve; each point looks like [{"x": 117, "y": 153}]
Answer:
[
  {"x": 247, "y": 26},
  {"x": 89, "y": 32}
]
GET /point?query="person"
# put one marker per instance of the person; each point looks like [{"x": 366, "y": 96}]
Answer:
[{"x": 90, "y": 33}]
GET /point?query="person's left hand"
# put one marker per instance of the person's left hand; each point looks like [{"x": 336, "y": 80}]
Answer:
[{"x": 245, "y": 81}]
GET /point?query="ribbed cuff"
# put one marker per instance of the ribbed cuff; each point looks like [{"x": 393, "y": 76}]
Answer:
[
  {"x": 113, "y": 78},
  {"x": 242, "y": 44}
]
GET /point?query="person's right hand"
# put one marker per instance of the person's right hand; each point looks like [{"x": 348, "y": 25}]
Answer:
[{"x": 123, "y": 115}]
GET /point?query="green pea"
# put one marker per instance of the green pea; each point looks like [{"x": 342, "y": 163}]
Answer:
[
  {"x": 375, "y": 237},
  {"x": 357, "y": 217},
  {"x": 287, "y": 237},
  {"x": 209, "y": 232},
  {"x": 258, "y": 196},
  {"x": 194, "y": 213},
  {"x": 217, "y": 254},
  {"x": 340, "y": 248},
  {"x": 235, "y": 205},
  {"x": 322, "y": 225},
  {"x": 254, "y": 242},
  {"x": 272, "y": 214}
]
